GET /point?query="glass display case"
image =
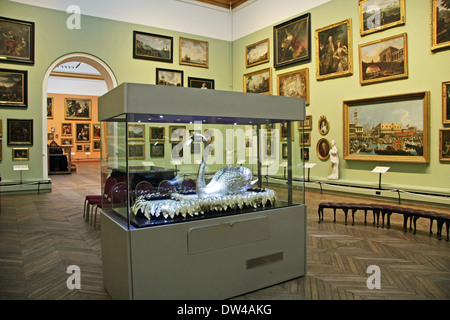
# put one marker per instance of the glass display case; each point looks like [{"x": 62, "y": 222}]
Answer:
[{"x": 190, "y": 174}]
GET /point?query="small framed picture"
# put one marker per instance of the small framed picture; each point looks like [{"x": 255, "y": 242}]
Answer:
[
  {"x": 177, "y": 133},
  {"x": 136, "y": 151},
  {"x": 20, "y": 154},
  {"x": 87, "y": 148},
  {"x": 79, "y": 148},
  {"x": 200, "y": 83},
  {"x": 20, "y": 132},
  {"x": 66, "y": 129},
  {"x": 323, "y": 149},
  {"x": 136, "y": 131},
  {"x": 284, "y": 151},
  {"x": 324, "y": 125},
  {"x": 96, "y": 145},
  {"x": 257, "y": 53},
  {"x": 157, "y": 134},
  {"x": 83, "y": 132},
  {"x": 194, "y": 53},
  {"x": 446, "y": 102},
  {"x": 150, "y": 46},
  {"x": 50, "y": 136},
  {"x": 258, "y": 81},
  {"x": 294, "y": 84},
  {"x": 66, "y": 142},
  {"x": 49, "y": 108},
  {"x": 304, "y": 154},
  {"x": 444, "y": 145},
  {"x": 305, "y": 138},
  {"x": 96, "y": 131},
  {"x": 376, "y": 15},
  {"x": 13, "y": 88},
  {"x": 78, "y": 109},
  {"x": 305, "y": 124},
  {"x": 17, "y": 44},
  {"x": 157, "y": 150},
  {"x": 167, "y": 77}
]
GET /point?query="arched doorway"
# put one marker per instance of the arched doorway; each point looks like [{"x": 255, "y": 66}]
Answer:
[{"x": 91, "y": 60}]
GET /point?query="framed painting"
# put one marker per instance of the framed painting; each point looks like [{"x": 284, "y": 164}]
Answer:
[
  {"x": 334, "y": 50},
  {"x": 20, "y": 154},
  {"x": 79, "y": 148},
  {"x": 304, "y": 154},
  {"x": 323, "y": 149},
  {"x": 1, "y": 128},
  {"x": 136, "y": 151},
  {"x": 377, "y": 15},
  {"x": 83, "y": 132},
  {"x": 304, "y": 138},
  {"x": 66, "y": 129},
  {"x": 258, "y": 81},
  {"x": 66, "y": 142},
  {"x": 194, "y": 53},
  {"x": 324, "y": 125},
  {"x": 17, "y": 41},
  {"x": 20, "y": 132},
  {"x": 176, "y": 133},
  {"x": 136, "y": 131},
  {"x": 294, "y": 84},
  {"x": 168, "y": 77},
  {"x": 50, "y": 136},
  {"x": 87, "y": 148},
  {"x": 383, "y": 60},
  {"x": 305, "y": 124},
  {"x": 49, "y": 108},
  {"x": 440, "y": 24},
  {"x": 292, "y": 41},
  {"x": 157, "y": 134},
  {"x": 78, "y": 109},
  {"x": 150, "y": 46},
  {"x": 284, "y": 131},
  {"x": 257, "y": 53},
  {"x": 389, "y": 128},
  {"x": 444, "y": 145},
  {"x": 446, "y": 102},
  {"x": 96, "y": 131},
  {"x": 1, "y": 149},
  {"x": 96, "y": 145},
  {"x": 284, "y": 151},
  {"x": 13, "y": 88},
  {"x": 157, "y": 150},
  {"x": 200, "y": 83}
]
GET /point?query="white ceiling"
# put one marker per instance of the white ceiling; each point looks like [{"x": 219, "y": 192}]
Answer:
[{"x": 188, "y": 16}]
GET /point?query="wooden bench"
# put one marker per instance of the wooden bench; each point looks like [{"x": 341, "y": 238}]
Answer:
[{"x": 385, "y": 211}]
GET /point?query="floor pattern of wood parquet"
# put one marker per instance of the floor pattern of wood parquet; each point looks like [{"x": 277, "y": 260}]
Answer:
[{"x": 41, "y": 235}]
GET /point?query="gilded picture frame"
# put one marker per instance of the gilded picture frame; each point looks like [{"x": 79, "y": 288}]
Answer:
[
  {"x": 194, "y": 53},
  {"x": 388, "y": 128},
  {"x": 66, "y": 129},
  {"x": 377, "y": 15},
  {"x": 323, "y": 148},
  {"x": 13, "y": 88},
  {"x": 258, "y": 81},
  {"x": 20, "y": 132},
  {"x": 136, "y": 151},
  {"x": 292, "y": 41},
  {"x": 136, "y": 131},
  {"x": 294, "y": 84},
  {"x": 78, "y": 109},
  {"x": 323, "y": 125},
  {"x": 444, "y": 145},
  {"x": 157, "y": 134},
  {"x": 96, "y": 145},
  {"x": 446, "y": 102},
  {"x": 149, "y": 46},
  {"x": 16, "y": 41},
  {"x": 440, "y": 26},
  {"x": 305, "y": 124},
  {"x": 157, "y": 150},
  {"x": 334, "y": 50},
  {"x": 304, "y": 138},
  {"x": 49, "y": 107},
  {"x": 257, "y": 53},
  {"x": 20, "y": 154},
  {"x": 83, "y": 132},
  {"x": 168, "y": 77},
  {"x": 66, "y": 142},
  {"x": 383, "y": 60}
]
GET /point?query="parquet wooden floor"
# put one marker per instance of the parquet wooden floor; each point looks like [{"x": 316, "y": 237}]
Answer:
[{"x": 41, "y": 235}]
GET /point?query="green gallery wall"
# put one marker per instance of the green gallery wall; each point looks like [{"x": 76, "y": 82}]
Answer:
[{"x": 111, "y": 42}]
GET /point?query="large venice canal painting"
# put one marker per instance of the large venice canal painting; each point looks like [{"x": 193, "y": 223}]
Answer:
[{"x": 391, "y": 128}]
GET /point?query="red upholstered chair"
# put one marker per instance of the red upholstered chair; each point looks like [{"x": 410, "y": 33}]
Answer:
[
  {"x": 91, "y": 200},
  {"x": 143, "y": 188},
  {"x": 119, "y": 197},
  {"x": 166, "y": 186},
  {"x": 188, "y": 185}
]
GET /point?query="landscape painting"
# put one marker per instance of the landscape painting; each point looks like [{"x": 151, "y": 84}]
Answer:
[
  {"x": 13, "y": 88},
  {"x": 392, "y": 128},
  {"x": 440, "y": 24},
  {"x": 194, "y": 53},
  {"x": 258, "y": 82},
  {"x": 257, "y": 53},
  {"x": 377, "y": 15},
  {"x": 152, "y": 47}
]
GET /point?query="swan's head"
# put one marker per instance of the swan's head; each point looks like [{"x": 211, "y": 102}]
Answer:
[{"x": 196, "y": 137}]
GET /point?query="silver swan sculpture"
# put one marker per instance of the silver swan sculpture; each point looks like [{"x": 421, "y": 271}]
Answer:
[{"x": 228, "y": 180}]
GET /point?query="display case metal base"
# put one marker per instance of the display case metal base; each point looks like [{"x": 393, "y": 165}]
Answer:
[{"x": 215, "y": 258}]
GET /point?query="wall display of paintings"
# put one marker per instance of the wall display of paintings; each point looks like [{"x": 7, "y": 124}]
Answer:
[
  {"x": 78, "y": 109},
  {"x": 440, "y": 24},
  {"x": 292, "y": 41},
  {"x": 446, "y": 102},
  {"x": 194, "y": 53},
  {"x": 168, "y": 77},
  {"x": 304, "y": 154},
  {"x": 324, "y": 125},
  {"x": 150, "y": 46},
  {"x": 305, "y": 124},
  {"x": 66, "y": 129},
  {"x": 383, "y": 60},
  {"x": 378, "y": 15},
  {"x": 323, "y": 149},
  {"x": 20, "y": 154},
  {"x": 20, "y": 132},
  {"x": 304, "y": 138},
  {"x": 444, "y": 145},
  {"x": 136, "y": 131},
  {"x": 96, "y": 131},
  {"x": 334, "y": 50},
  {"x": 258, "y": 81},
  {"x": 136, "y": 151},
  {"x": 16, "y": 41},
  {"x": 96, "y": 144},
  {"x": 257, "y": 53},
  {"x": 389, "y": 128},
  {"x": 200, "y": 83},
  {"x": 49, "y": 108},
  {"x": 13, "y": 88},
  {"x": 157, "y": 150},
  {"x": 294, "y": 84},
  {"x": 83, "y": 132},
  {"x": 157, "y": 134}
]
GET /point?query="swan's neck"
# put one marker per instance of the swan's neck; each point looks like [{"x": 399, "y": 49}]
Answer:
[{"x": 201, "y": 184}]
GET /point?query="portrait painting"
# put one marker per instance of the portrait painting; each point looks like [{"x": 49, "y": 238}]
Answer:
[
  {"x": 383, "y": 60},
  {"x": 258, "y": 82},
  {"x": 16, "y": 41},
  {"x": 20, "y": 132},
  {"x": 294, "y": 84},
  {"x": 83, "y": 132},
  {"x": 49, "y": 108},
  {"x": 168, "y": 77},
  {"x": 440, "y": 24},
  {"x": 13, "y": 88},
  {"x": 444, "y": 145},
  {"x": 257, "y": 53},
  {"x": 334, "y": 52},
  {"x": 446, "y": 102},
  {"x": 96, "y": 131},
  {"x": 377, "y": 15},
  {"x": 292, "y": 41},
  {"x": 324, "y": 125},
  {"x": 150, "y": 46},
  {"x": 200, "y": 83},
  {"x": 323, "y": 149},
  {"x": 194, "y": 53},
  {"x": 390, "y": 128},
  {"x": 79, "y": 109}
]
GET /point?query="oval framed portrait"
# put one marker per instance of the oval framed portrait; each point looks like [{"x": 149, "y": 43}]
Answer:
[
  {"x": 324, "y": 125},
  {"x": 323, "y": 149}
]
